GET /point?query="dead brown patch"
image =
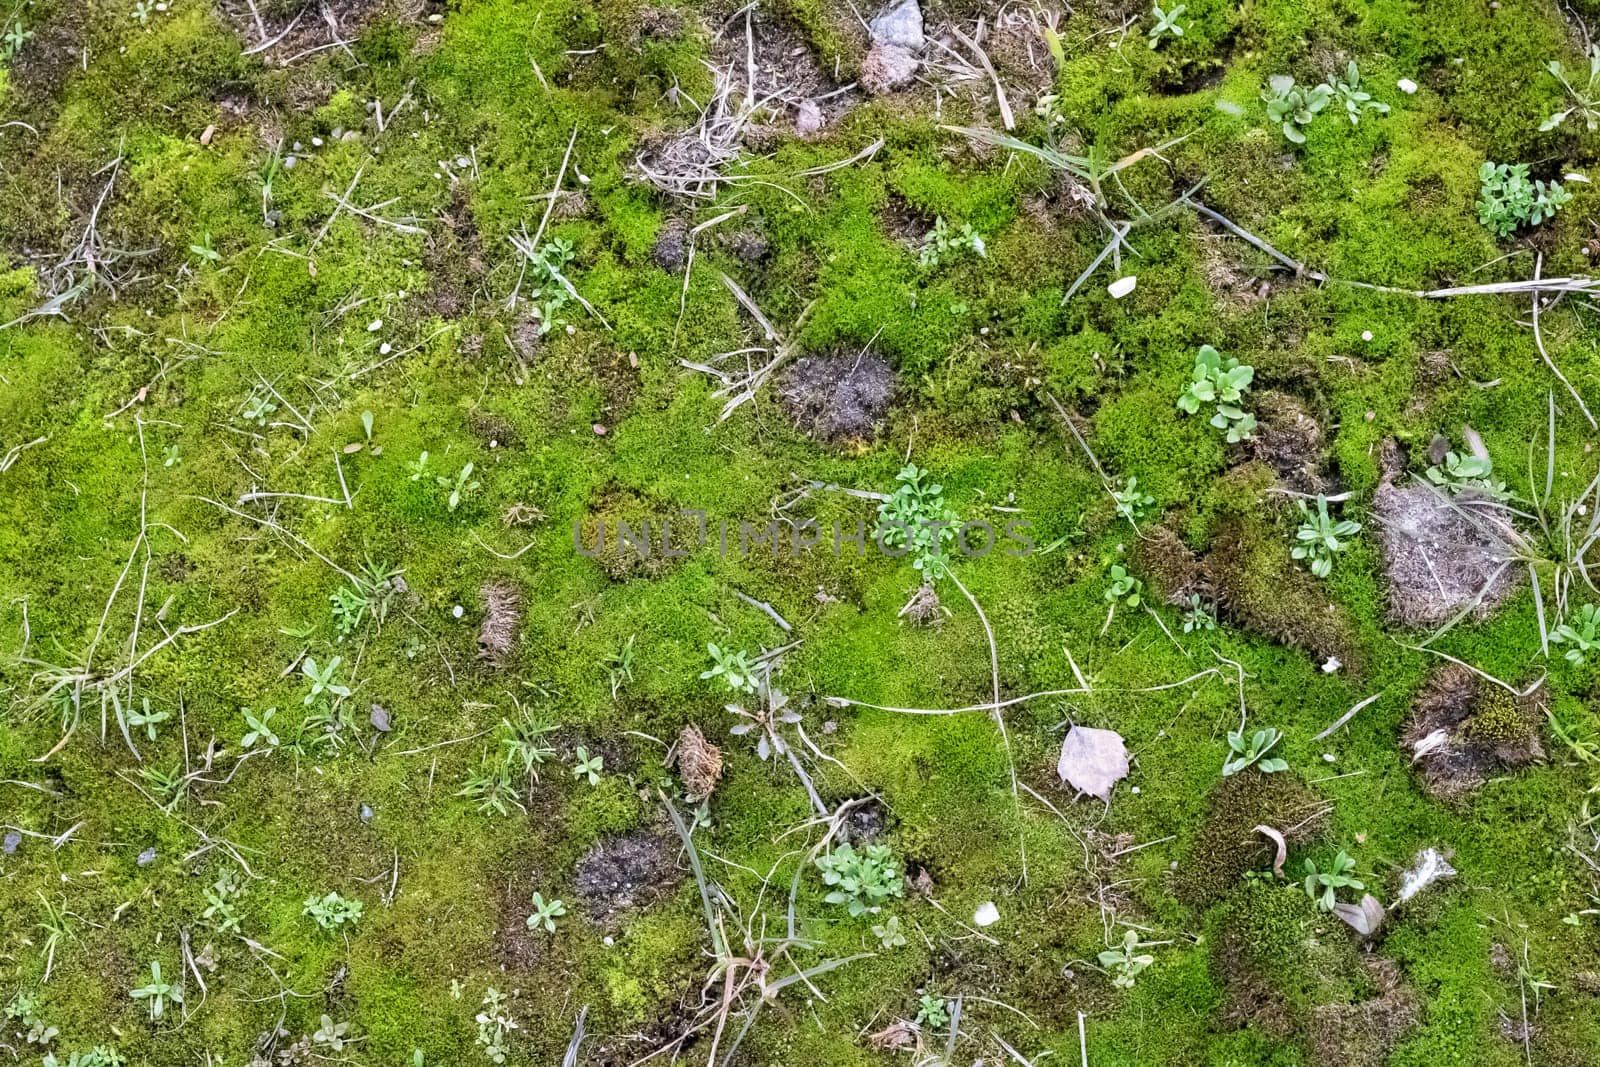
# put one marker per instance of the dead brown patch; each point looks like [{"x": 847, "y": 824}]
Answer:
[
  {"x": 493, "y": 430},
  {"x": 40, "y": 70},
  {"x": 626, "y": 534},
  {"x": 1363, "y": 1034},
  {"x": 623, "y": 873},
  {"x": 1463, "y": 730},
  {"x": 502, "y": 620},
  {"x": 699, "y": 763},
  {"x": 838, "y": 398},
  {"x": 284, "y": 31},
  {"x": 1228, "y": 843},
  {"x": 1289, "y": 441},
  {"x": 453, "y": 258},
  {"x": 787, "y": 72},
  {"x": 1441, "y": 556}
]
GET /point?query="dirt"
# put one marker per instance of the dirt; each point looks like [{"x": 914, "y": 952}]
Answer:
[
  {"x": 296, "y": 26},
  {"x": 1362, "y": 1034},
  {"x": 838, "y": 398},
  {"x": 788, "y": 72},
  {"x": 1440, "y": 556},
  {"x": 454, "y": 260},
  {"x": 699, "y": 763},
  {"x": 671, "y": 249},
  {"x": 1463, "y": 730},
  {"x": 624, "y": 873},
  {"x": 1290, "y": 441}
]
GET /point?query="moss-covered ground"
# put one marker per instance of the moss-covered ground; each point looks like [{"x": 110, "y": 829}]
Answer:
[{"x": 262, "y": 308}]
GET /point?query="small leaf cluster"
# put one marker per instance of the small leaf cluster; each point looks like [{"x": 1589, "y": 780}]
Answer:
[
  {"x": 1509, "y": 199},
  {"x": 863, "y": 880},
  {"x": 1223, "y": 383}
]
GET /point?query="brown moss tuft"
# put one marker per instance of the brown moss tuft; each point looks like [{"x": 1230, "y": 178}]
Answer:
[
  {"x": 1463, "y": 730},
  {"x": 1260, "y": 588},
  {"x": 699, "y": 763},
  {"x": 502, "y": 620}
]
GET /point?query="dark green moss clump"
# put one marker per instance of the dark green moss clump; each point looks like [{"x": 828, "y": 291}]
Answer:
[{"x": 1227, "y": 843}]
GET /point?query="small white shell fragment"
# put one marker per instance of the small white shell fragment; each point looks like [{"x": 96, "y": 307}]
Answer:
[
  {"x": 1407, "y": 86},
  {"x": 1366, "y": 335},
  {"x": 1331, "y": 665},
  {"x": 987, "y": 914},
  {"x": 1122, "y": 286},
  {"x": 1574, "y": 176},
  {"x": 458, "y": 611},
  {"x": 375, "y": 325}
]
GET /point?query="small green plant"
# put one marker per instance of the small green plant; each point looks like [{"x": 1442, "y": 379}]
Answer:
[
  {"x": 1323, "y": 886},
  {"x": 889, "y": 933},
  {"x": 1125, "y": 961},
  {"x": 159, "y": 992},
  {"x": 460, "y": 487},
  {"x": 1508, "y": 199},
  {"x": 1294, "y": 106},
  {"x": 204, "y": 249},
  {"x": 1461, "y": 473},
  {"x": 27, "y": 1010},
  {"x": 619, "y": 666},
  {"x": 932, "y": 1012},
  {"x": 13, "y": 40},
  {"x": 144, "y": 717},
  {"x": 222, "y": 903},
  {"x": 1197, "y": 616},
  {"x": 1356, "y": 101},
  {"x": 1165, "y": 22},
  {"x": 1132, "y": 502},
  {"x": 519, "y": 750},
  {"x": 332, "y": 911},
  {"x": 863, "y": 880},
  {"x": 916, "y": 520},
  {"x": 99, "y": 1056},
  {"x": 1223, "y": 383},
  {"x": 1584, "y": 637},
  {"x": 734, "y": 668},
  {"x": 1320, "y": 538},
  {"x": 494, "y": 1026},
  {"x": 588, "y": 766},
  {"x": 1585, "y": 101},
  {"x": 143, "y": 9},
  {"x": 418, "y": 467},
  {"x": 258, "y": 407},
  {"x": 1253, "y": 751},
  {"x": 545, "y": 913},
  {"x": 369, "y": 595},
  {"x": 942, "y": 244},
  {"x": 335, "y": 1036},
  {"x": 549, "y": 294},
  {"x": 323, "y": 679},
  {"x": 260, "y": 728},
  {"x": 1122, "y": 587}
]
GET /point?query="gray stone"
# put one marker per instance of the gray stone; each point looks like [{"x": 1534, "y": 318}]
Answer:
[
  {"x": 899, "y": 25},
  {"x": 886, "y": 68}
]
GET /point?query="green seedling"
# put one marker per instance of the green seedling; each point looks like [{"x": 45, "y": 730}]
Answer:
[
  {"x": 1252, "y": 751},
  {"x": 1125, "y": 961},
  {"x": 159, "y": 992},
  {"x": 545, "y": 913},
  {"x": 1320, "y": 538},
  {"x": 1323, "y": 886}
]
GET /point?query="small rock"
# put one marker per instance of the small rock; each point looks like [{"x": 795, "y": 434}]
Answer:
[
  {"x": 1407, "y": 86},
  {"x": 1122, "y": 286},
  {"x": 288, "y": 162},
  {"x": 147, "y": 857},
  {"x": 208, "y": 133},
  {"x": 808, "y": 119},
  {"x": 1366, "y": 335},
  {"x": 1331, "y": 664},
  {"x": 12, "y": 842},
  {"x": 366, "y": 813},
  {"x": 899, "y": 25},
  {"x": 886, "y": 68},
  {"x": 599, "y": 429},
  {"x": 986, "y": 915},
  {"x": 380, "y": 719}
]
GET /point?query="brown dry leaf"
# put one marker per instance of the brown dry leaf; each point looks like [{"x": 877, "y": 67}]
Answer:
[
  {"x": 1092, "y": 761},
  {"x": 1283, "y": 849},
  {"x": 1364, "y": 918}
]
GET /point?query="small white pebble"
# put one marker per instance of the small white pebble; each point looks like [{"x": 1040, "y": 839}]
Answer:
[
  {"x": 316, "y": 142},
  {"x": 384, "y": 349},
  {"x": 1122, "y": 286},
  {"x": 608, "y": 941},
  {"x": 987, "y": 914},
  {"x": 375, "y": 325},
  {"x": 1328, "y": 757},
  {"x": 1134, "y": 790},
  {"x": 1366, "y": 335},
  {"x": 1332, "y": 665},
  {"x": 458, "y": 611},
  {"x": 462, "y": 162},
  {"x": 1407, "y": 86}
]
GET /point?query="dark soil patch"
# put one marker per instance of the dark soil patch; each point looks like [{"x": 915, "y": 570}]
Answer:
[
  {"x": 1440, "y": 556},
  {"x": 671, "y": 249},
  {"x": 296, "y": 26},
  {"x": 1228, "y": 843},
  {"x": 787, "y": 70},
  {"x": 454, "y": 260},
  {"x": 40, "y": 70},
  {"x": 1289, "y": 441},
  {"x": 623, "y": 873},
  {"x": 1463, "y": 730},
  {"x": 838, "y": 398}
]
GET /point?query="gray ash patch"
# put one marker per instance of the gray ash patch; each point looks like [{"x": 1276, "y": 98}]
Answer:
[
  {"x": 838, "y": 398},
  {"x": 623, "y": 873}
]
